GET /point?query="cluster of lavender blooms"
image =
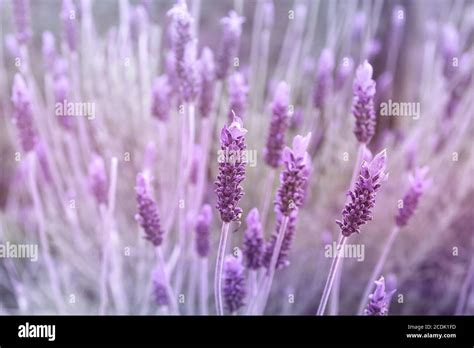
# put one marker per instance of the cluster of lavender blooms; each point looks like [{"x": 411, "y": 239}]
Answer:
[
  {"x": 379, "y": 301},
  {"x": 169, "y": 94}
]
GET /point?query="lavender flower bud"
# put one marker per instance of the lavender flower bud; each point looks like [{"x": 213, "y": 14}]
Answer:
[
  {"x": 278, "y": 126},
  {"x": 234, "y": 289},
  {"x": 203, "y": 225},
  {"x": 12, "y": 46},
  {"x": 189, "y": 85},
  {"x": 283, "y": 258},
  {"x": 379, "y": 300},
  {"x": 231, "y": 171},
  {"x": 147, "y": 215},
  {"x": 49, "y": 50},
  {"x": 207, "y": 79},
  {"x": 363, "y": 103},
  {"x": 418, "y": 184},
  {"x": 21, "y": 18},
  {"x": 161, "y": 95},
  {"x": 345, "y": 69},
  {"x": 323, "y": 78},
  {"x": 98, "y": 179},
  {"x": 159, "y": 289},
  {"x": 238, "y": 90},
  {"x": 23, "y": 114},
  {"x": 183, "y": 48},
  {"x": 253, "y": 245},
  {"x": 359, "y": 210},
  {"x": 290, "y": 194},
  {"x": 68, "y": 16},
  {"x": 229, "y": 46}
]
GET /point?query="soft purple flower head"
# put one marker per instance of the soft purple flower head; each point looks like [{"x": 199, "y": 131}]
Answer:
[
  {"x": 49, "y": 50},
  {"x": 418, "y": 184},
  {"x": 379, "y": 300},
  {"x": 147, "y": 215},
  {"x": 69, "y": 18},
  {"x": 203, "y": 226},
  {"x": 238, "y": 90},
  {"x": 323, "y": 83},
  {"x": 290, "y": 194},
  {"x": 278, "y": 126},
  {"x": 234, "y": 289},
  {"x": 345, "y": 69},
  {"x": 283, "y": 258},
  {"x": 12, "y": 46},
  {"x": 268, "y": 14},
  {"x": 161, "y": 98},
  {"x": 363, "y": 103},
  {"x": 253, "y": 245},
  {"x": 21, "y": 18},
  {"x": 231, "y": 172},
  {"x": 207, "y": 81},
  {"x": 229, "y": 46},
  {"x": 98, "y": 179},
  {"x": 160, "y": 294},
  {"x": 23, "y": 113},
  {"x": 362, "y": 198},
  {"x": 184, "y": 49}
]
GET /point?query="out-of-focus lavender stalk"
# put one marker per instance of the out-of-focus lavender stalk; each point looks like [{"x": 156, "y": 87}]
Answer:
[
  {"x": 276, "y": 140},
  {"x": 68, "y": 16},
  {"x": 289, "y": 199},
  {"x": 229, "y": 192},
  {"x": 464, "y": 292},
  {"x": 238, "y": 90},
  {"x": 54, "y": 279},
  {"x": 419, "y": 183},
  {"x": 356, "y": 213},
  {"x": 21, "y": 18},
  {"x": 203, "y": 225},
  {"x": 229, "y": 46},
  {"x": 23, "y": 114},
  {"x": 324, "y": 82}
]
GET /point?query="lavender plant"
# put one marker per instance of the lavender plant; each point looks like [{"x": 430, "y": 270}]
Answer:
[{"x": 163, "y": 89}]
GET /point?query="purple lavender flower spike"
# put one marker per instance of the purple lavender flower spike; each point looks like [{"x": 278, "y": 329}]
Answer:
[
  {"x": 278, "y": 126},
  {"x": 98, "y": 179},
  {"x": 23, "y": 114},
  {"x": 363, "y": 103},
  {"x": 283, "y": 258},
  {"x": 379, "y": 300},
  {"x": 21, "y": 18},
  {"x": 161, "y": 96},
  {"x": 231, "y": 171},
  {"x": 291, "y": 192},
  {"x": 344, "y": 70},
  {"x": 234, "y": 290},
  {"x": 147, "y": 215},
  {"x": 229, "y": 46},
  {"x": 359, "y": 210},
  {"x": 418, "y": 184},
  {"x": 207, "y": 78},
  {"x": 323, "y": 78},
  {"x": 160, "y": 294},
  {"x": 203, "y": 226},
  {"x": 253, "y": 245},
  {"x": 238, "y": 90},
  {"x": 68, "y": 16},
  {"x": 183, "y": 48}
]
